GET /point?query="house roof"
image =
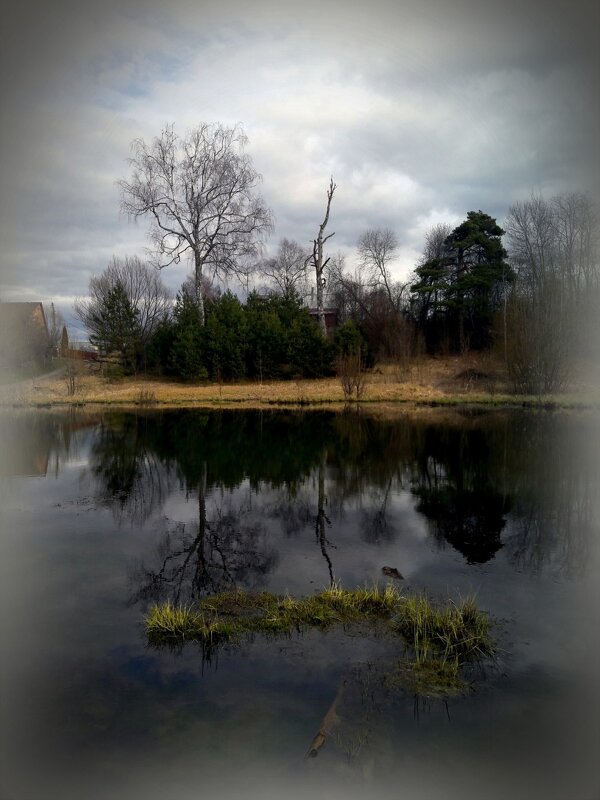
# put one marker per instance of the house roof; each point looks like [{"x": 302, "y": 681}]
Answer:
[{"x": 17, "y": 315}]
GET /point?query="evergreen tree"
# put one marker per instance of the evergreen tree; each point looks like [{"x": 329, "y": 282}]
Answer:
[
  {"x": 265, "y": 351},
  {"x": 458, "y": 291},
  {"x": 310, "y": 353},
  {"x": 186, "y": 358},
  {"x": 225, "y": 338},
  {"x": 116, "y": 326},
  {"x": 283, "y": 339}
]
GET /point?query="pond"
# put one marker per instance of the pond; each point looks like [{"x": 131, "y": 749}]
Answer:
[{"x": 105, "y": 514}]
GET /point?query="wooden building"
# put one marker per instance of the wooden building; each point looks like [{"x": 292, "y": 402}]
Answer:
[{"x": 24, "y": 335}]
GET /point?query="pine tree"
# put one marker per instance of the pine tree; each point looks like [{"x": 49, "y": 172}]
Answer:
[
  {"x": 458, "y": 291},
  {"x": 116, "y": 327}
]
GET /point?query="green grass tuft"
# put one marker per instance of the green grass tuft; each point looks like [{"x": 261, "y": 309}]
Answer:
[
  {"x": 231, "y": 613},
  {"x": 441, "y": 638},
  {"x": 453, "y": 631}
]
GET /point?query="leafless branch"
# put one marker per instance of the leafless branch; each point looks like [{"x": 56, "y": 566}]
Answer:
[{"x": 200, "y": 195}]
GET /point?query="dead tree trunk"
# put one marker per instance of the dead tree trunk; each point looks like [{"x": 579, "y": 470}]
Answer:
[{"x": 316, "y": 259}]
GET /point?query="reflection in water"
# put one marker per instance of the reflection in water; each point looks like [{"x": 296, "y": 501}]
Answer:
[
  {"x": 322, "y": 519},
  {"x": 131, "y": 478},
  {"x": 206, "y": 557},
  {"x": 520, "y": 483},
  {"x": 376, "y": 526},
  {"x": 36, "y": 445},
  {"x": 455, "y": 487},
  {"x": 252, "y": 499}
]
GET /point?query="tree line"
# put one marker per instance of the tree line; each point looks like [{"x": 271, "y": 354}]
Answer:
[
  {"x": 266, "y": 337},
  {"x": 523, "y": 290}
]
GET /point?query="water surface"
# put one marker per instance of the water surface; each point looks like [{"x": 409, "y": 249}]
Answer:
[{"x": 104, "y": 514}]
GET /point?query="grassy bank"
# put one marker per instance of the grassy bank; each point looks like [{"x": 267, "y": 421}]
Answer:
[
  {"x": 450, "y": 381},
  {"x": 441, "y": 640}
]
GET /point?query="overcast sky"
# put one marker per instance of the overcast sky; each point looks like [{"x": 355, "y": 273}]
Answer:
[{"x": 422, "y": 111}]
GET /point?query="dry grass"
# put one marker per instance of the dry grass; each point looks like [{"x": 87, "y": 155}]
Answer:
[{"x": 472, "y": 378}]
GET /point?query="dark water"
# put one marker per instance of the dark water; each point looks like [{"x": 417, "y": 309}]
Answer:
[{"x": 103, "y": 515}]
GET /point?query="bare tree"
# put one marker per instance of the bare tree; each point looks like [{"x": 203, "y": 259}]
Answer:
[
  {"x": 210, "y": 291},
  {"x": 555, "y": 238},
  {"x": 435, "y": 253},
  {"x": 287, "y": 270},
  {"x": 316, "y": 259},
  {"x": 576, "y": 232},
  {"x": 148, "y": 298},
  {"x": 381, "y": 313},
  {"x": 531, "y": 235},
  {"x": 376, "y": 248},
  {"x": 200, "y": 194},
  {"x": 553, "y": 247},
  {"x": 435, "y": 242},
  {"x": 349, "y": 290}
]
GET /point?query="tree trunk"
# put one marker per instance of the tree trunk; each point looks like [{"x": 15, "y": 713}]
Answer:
[
  {"x": 198, "y": 286},
  {"x": 320, "y": 309},
  {"x": 317, "y": 258}
]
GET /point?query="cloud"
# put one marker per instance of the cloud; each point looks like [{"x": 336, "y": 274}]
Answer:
[{"x": 421, "y": 112}]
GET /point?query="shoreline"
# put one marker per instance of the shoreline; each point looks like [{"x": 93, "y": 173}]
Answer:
[
  {"x": 456, "y": 402},
  {"x": 433, "y": 383}
]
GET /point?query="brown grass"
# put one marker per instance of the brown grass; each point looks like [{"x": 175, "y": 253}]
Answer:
[{"x": 472, "y": 378}]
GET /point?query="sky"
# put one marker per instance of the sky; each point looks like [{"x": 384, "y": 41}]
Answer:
[{"x": 421, "y": 111}]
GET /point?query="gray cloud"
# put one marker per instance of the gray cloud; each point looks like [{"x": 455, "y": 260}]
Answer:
[{"x": 422, "y": 112}]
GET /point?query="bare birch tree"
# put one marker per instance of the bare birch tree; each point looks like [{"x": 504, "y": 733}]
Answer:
[
  {"x": 287, "y": 269},
  {"x": 316, "y": 259},
  {"x": 376, "y": 248},
  {"x": 200, "y": 195}
]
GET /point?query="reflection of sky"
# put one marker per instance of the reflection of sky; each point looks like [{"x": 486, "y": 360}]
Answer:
[{"x": 100, "y": 711}]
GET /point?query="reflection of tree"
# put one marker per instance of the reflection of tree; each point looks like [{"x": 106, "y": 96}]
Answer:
[
  {"x": 131, "y": 478},
  {"x": 293, "y": 510},
  {"x": 321, "y": 519},
  {"x": 375, "y": 523},
  {"x": 555, "y": 488},
  {"x": 482, "y": 482},
  {"x": 206, "y": 557},
  {"x": 521, "y": 481},
  {"x": 471, "y": 521},
  {"x": 454, "y": 486}
]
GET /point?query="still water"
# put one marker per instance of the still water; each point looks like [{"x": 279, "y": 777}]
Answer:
[{"x": 105, "y": 514}]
